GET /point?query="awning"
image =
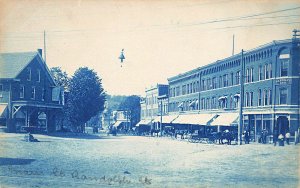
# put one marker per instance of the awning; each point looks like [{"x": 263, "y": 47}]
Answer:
[
  {"x": 237, "y": 95},
  {"x": 180, "y": 105},
  {"x": 143, "y": 122},
  {"x": 192, "y": 104},
  {"x": 194, "y": 119},
  {"x": 117, "y": 123},
  {"x": 222, "y": 98},
  {"x": 166, "y": 119},
  {"x": 2, "y": 109},
  {"x": 225, "y": 119}
]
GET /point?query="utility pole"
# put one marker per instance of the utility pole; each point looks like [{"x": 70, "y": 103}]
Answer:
[
  {"x": 240, "y": 127},
  {"x": 45, "y": 46}
]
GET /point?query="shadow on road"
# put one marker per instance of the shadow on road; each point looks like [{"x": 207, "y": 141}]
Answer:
[{"x": 14, "y": 161}]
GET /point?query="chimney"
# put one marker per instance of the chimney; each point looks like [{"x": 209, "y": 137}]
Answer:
[{"x": 40, "y": 52}]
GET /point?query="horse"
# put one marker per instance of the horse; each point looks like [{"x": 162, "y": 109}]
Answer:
[{"x": 156, "y": 131}]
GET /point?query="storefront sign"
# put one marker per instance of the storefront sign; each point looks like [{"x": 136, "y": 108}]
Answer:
[{"x": 283, "y": 81}]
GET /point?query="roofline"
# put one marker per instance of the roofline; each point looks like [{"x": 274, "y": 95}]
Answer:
[{"x": 186, "y": 74}]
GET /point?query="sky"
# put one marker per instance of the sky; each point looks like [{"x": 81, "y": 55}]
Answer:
[{"x": 160, "y": 38}]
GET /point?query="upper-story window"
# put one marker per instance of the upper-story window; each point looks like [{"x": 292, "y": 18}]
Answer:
[
  {"x": 283, "y": 96},
  {"x": 260, "y": 73},
  {"x": 259, "y": 97},
  {"x": 203, "y": 85},
  {"x": 247, "y": 75},
  {"x": 214, "y": 82},
  {"x": 209, "y": 86},
  {"x": 43, "y": 94},
  {"x": 183, "y": 89},
  {"x": 238, "y": 77},
  {"x": 231, "y": 79},
  {"x": 28, "y": 74},
  {"x": 220, "y": 82},
  {"x": 251, "y": 79},
  {"x": 22, "y": 91},
  {"x": 38, "y": 78},
  {"x": 32, "y": 92},
  {"x": 284, "y": 67},
  {"x": 225, "y": 80},
  {"x": 267, "y": 72}
]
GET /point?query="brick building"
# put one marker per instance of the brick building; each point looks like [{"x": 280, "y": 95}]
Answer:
[{"x": 262, "y": 84}]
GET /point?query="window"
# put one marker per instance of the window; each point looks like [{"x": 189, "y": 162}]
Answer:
[
  {"x": 247, "y": 76},
  {"x": 259, "y": 97},
  {"x": 251, "y": 79},
  {"x": 260, "y": 73},
  {"x": 265, "y": 97},
  {"x": 22, "y": 91},
  {"x": 251, "y": 99},
  {"x": 203, "y": 85},
  {"x": 283, "y": 96},
  {"x": 231, "y": 77},
  {"x": 28, "y": 74},
  {"x": 191, "y": 88},
  {"x": 284, "y": 64},
  {"x": 183, "y": 89},
  {"x": 270, "y": 70},
  {"x": 270, "y": 97},
  {"x": 220, "y": 81},
  {"x": 225, "y": 80},
  {"x": 207, "y": 103},
  {"x": 32, "y": 92},
  {"x": 194, "y": 87},
  {"x": 247, "y": 99},
  {"x": 266, "y": 71},
  {"x": 214, "y": 82},
  {"x": 237, "y": 77},
  {"x": 209, "y": 86},
  {"x": 38, "y": 79}
]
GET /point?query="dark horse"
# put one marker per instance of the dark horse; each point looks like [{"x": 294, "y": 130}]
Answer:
[{"x": 221, "y": 136}]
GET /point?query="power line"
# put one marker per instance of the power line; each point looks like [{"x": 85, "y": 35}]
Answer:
[{"x": 257, "y": 25}]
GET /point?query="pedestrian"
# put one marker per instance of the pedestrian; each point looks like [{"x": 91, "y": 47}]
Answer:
[
  {"x": 247, "y": 137},
  {"x": 287, "y": 138},
  {"x": 275, "y": 136},
  {"x": 281, "y": 140}
]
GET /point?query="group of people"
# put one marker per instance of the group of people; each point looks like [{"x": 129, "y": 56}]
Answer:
[{"x": 280, "y": 138}]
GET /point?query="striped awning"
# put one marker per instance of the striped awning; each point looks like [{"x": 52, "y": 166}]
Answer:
[
  {"x": 226, "y": 119},
  {"x": 194, "y": 119}
]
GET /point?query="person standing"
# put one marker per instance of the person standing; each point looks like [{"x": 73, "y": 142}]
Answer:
[
  {"x": 275, "y": 136},
  {"x": 287, "y": 138}
]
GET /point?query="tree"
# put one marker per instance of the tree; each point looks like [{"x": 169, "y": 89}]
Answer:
[
  {"x": 133, "y": 107},
  {"x": 60, "y": 77},
  {"x": 86, "y": 97}
]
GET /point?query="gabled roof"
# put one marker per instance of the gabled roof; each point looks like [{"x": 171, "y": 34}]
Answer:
[{"x": 11, "y": 64}]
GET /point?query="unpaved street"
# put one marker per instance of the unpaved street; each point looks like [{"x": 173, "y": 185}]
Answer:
[{"x": 129, "y": 161}]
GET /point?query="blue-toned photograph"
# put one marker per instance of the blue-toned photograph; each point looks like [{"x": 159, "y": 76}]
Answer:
[{"x": 139, "y": 93}]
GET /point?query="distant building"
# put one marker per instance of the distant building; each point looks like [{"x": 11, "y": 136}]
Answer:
[
  {"x": 121, "y": 119},
  {"x": 29, "y": 97},
  {"x": 150, "y": 105}
]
